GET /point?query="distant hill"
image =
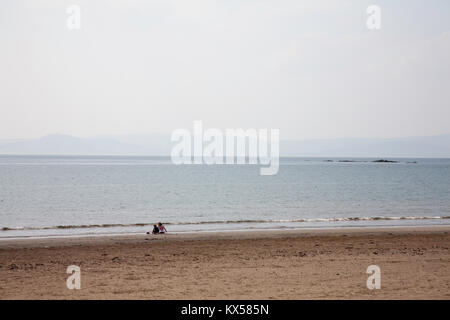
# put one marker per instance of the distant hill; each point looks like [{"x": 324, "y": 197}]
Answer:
[
  {"x": 160, "y": 144},
  {"x": 69, "y": 145}
]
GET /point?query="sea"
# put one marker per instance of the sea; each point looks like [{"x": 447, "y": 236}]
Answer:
[{"x": 47, "y": 196}]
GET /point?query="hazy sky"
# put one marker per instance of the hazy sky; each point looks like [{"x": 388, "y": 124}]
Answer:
[{"x": 309, "y": 68}]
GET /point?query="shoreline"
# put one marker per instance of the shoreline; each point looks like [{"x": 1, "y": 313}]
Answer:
[
  {"x": 221, "y": 234},
  {"x": 353, "y": 225}
]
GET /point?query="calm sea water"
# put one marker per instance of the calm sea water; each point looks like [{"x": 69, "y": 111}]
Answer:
[{"x": 71, "y": 195}]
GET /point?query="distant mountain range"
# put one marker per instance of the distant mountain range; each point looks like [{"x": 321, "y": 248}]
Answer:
[
  {"x": 414, "y": 147},
  {"x": 60, "y": 144},
  {"x": 159, "y": 144}
]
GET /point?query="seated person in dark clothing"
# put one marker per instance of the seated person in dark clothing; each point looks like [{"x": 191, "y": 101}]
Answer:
[{"x": 155, "y": 229}]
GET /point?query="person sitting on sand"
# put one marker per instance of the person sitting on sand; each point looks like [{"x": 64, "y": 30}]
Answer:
[
  {"x": 155, "y": 229},
  {"x": 162, "y": 229}
]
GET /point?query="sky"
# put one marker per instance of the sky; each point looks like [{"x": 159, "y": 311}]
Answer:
[{"x": 311, "y": 69}]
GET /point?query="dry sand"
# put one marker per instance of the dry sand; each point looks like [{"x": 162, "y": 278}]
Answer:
[{"x": 294, "y": 264}]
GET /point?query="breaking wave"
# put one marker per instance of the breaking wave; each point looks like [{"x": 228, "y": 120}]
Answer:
[{"x": 112, "y": 225}]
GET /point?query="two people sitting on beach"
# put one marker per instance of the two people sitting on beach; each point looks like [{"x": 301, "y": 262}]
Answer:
[{"x": 159, "y": 229}]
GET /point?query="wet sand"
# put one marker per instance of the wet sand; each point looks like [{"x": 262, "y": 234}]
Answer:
[{"x": 282, "y": 264}]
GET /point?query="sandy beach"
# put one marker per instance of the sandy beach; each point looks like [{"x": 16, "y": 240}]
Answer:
[{"x": 282, "y": 264}]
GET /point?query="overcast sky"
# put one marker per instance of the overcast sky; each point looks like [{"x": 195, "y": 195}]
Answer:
[{"x": 309, "y": 68}]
